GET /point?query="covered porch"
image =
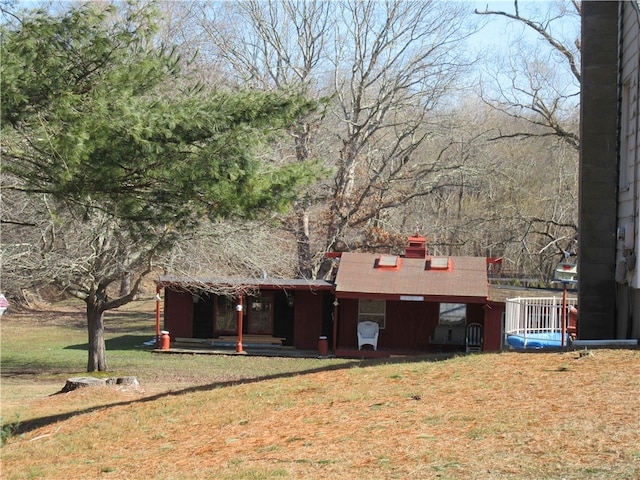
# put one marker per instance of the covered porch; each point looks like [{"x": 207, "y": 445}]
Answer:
[{"x": 218, "y": 312}]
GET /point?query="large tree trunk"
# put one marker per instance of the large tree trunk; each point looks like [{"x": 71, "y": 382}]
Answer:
[{"x": 97, "y": 349}]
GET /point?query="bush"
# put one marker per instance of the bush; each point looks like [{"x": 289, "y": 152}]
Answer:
[{"x": 8, "y": 429}]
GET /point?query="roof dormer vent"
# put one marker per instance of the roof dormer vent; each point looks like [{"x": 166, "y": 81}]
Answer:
[
  {"x": 388, "y": 261},
  {"x": 438, "y": 263},
  {"x": 416, "y": 247}
]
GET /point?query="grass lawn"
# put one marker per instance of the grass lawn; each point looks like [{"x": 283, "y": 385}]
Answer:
[{"x": 558, "y": 415}]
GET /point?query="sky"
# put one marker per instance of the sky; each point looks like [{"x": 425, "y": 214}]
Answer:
[
  {"x": 498, "y": 38},
  {"x": 498, "y": 28}
]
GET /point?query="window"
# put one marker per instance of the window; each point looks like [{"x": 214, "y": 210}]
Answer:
[
  {"x": 453, "y": 314},
  {"x": 627, "y": 133},
  {"x": 260, "y": 317},
  {"x": 226, "y": 318},
  {"x": 372, "y": 310}
]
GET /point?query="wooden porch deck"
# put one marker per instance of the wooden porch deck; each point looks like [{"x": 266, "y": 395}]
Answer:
[
  {"x": 260, "y": 345},
  {"x": 228, "y": 340}
]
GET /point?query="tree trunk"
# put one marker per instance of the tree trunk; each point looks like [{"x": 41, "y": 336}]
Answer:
[
  {"x": 125, "y": 284},
  {"x": 304, "y": 247},
  {"x": 302, "y": 139},
  {"x": 97, "y": 349}
]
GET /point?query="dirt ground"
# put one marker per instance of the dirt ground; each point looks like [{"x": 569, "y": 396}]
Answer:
[{"x": 544, "y": 415}]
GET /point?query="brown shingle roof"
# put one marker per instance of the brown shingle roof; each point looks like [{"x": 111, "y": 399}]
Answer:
[
  {"x": 501, "y": 293},
  {"x": 357, "y": 274},
  {"x": 285, "y": 283}
]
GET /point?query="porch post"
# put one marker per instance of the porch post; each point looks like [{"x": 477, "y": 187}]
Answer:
[
  {"x": 564, "y": 314},
  {"x": 158, "y": 289},
  {"x": 239, "y": 310},
  {"x": 335, "y": 324}
]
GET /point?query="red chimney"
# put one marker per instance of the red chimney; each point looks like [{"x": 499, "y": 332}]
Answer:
[{"x": 416, "y": 247}]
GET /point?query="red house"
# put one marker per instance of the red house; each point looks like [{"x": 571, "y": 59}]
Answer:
[
  {"x": 418, "y": 303},
  {"x": 421, "y": 302}
]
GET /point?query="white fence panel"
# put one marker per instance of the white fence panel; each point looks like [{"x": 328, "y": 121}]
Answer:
[{"x": 526, "y": 316}]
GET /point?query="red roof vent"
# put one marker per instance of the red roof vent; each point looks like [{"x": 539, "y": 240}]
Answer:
[{"x": 416, "y": 247}]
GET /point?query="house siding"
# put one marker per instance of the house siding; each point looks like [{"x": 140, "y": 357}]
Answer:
[
  {"x": 178, "y": 314},
  {"x": 628, "y": 117},
  {"x": 308, "y": 319},
  {"x": 493, "y": 327},
  {"x": 305, "y": 319},
  {"x": 408, "y": 325},
  {"x": 609, "y": 277},
  {"x": 628, "y": 243}
]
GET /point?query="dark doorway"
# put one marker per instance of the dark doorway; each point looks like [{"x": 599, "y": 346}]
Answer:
[
  {"x": 203, "y": 316},
  {"x": 284, "y": 307}
]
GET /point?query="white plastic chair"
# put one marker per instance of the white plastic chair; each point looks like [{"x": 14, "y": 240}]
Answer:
[
  {"x": 368, "y": 334},
  {"x": 475, "y": 337}
]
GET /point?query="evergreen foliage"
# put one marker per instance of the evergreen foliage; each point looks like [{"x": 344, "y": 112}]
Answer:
[
  {"x": 97, "y": 115},
  {"x": 100, "y": 124}
]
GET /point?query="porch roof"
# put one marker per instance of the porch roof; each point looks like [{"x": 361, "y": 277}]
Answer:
[
  {"x": 360, "y": 276},
  {"x": 240, "y": 283}
]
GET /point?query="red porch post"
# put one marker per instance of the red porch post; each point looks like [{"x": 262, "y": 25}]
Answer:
[
  {"x": 158, "y": 289},
  {"x": 335, "y": 324},
  {"x": 239, "y": 309}
]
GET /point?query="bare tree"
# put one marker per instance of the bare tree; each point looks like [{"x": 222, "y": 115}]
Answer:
[
  {"x": 540, "y": 80},
  {"x": 85, "y": 256},
  {"x": 400, "y": 157},
  {"x": 514, "y": 200},
  {"x": 383, "y": 68},
  {"x": 276, "y": 45},
  {"x": 248, "y": 249}
]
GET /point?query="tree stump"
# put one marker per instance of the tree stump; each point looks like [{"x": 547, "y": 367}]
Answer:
[
  {"x": 80, "y": 382},
  {"x": 127, "y": 381}
]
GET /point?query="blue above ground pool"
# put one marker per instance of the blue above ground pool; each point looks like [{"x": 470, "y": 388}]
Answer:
[{"x": 536, "y": 340}]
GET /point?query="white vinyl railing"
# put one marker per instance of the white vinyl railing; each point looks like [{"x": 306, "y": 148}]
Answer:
[{"x": 528, "y": 316}]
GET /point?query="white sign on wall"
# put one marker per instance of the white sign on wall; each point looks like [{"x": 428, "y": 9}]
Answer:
[{"x": 412, "y": 298}]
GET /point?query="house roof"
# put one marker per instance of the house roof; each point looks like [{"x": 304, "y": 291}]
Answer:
[
  {"x": 501, "y": 293},
  {"x": 236, "y": 282},
  {"x": 360, "y": 276}
]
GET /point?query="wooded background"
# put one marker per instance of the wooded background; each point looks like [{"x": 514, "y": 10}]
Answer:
[{"x": 419, "y": 127}]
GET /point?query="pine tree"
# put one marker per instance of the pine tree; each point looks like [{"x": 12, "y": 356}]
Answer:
[{"x": 98, "y": 118}]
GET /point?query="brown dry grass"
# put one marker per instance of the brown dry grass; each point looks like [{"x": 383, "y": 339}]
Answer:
[
  {"x": 544, "y": 415},
  {"x": 553, "y": 415}
]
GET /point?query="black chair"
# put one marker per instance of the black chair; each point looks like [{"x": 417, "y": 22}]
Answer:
[{"x": 474, "y": 337}]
